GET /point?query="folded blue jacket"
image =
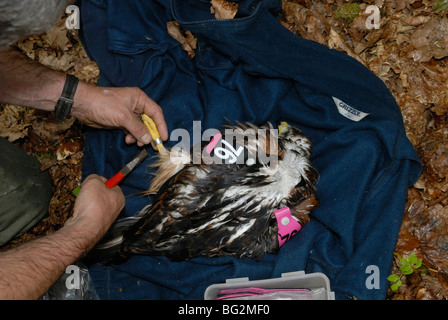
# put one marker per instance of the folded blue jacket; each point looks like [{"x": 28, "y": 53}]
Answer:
[{"x": 252, "y": 69}]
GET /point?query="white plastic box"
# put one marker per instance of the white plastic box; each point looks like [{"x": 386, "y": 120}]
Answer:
[{"x": 317, "y": 283}]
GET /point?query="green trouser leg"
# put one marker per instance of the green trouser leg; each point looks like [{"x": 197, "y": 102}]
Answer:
[{"x": 25, "y": 191}]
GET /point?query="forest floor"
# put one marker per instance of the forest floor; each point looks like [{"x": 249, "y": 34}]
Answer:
[{"x": 408, "y": 51}]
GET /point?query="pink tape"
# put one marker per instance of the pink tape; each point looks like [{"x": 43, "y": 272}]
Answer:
[
  {"x": 287, "y": 225},
  {"x": 251, "y": 291}
]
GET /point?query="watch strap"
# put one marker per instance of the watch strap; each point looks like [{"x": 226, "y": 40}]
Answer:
[{"x": 64, "y": 105}]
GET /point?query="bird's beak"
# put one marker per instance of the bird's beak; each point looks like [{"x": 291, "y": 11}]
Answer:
[{"x": 283, "y": 127}]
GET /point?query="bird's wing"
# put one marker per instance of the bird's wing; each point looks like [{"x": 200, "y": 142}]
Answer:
[{"x": 201, "y": 209}]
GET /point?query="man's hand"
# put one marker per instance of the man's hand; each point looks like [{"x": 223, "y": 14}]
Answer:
[
  {"x": 118, "y": 108},
  {"x": 28, "y": 271},
  {"x": 96, "y": 208}
]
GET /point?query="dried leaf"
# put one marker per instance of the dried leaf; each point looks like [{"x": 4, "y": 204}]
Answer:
[
  {"x": 335, "y": 41},
  {"x": 15, "y": 121},
  {"x": 223, "y": 9},
  {"x": 185, "y": 38},
  {"x": 57, "y": 36},
  {"x": 63, "y": 63},
  {"x": 430, "y": 40}
]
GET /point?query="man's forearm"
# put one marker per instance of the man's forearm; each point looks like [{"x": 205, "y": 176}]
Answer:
[
  {"x": 28, "y": 271},
  {"x": 27, "y": 83}
]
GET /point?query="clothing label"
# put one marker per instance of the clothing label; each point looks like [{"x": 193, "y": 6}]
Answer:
[{"x": 348, "y": 111}]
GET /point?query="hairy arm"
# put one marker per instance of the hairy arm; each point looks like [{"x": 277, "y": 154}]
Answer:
[
  {"x": 28, "y": 271},
  {"x": 26, "y": 83}
]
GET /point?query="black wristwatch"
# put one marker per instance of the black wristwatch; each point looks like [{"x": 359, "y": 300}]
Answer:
[{"x": 65, "y": 102}]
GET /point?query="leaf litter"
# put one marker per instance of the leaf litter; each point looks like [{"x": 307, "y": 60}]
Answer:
[{"x": 409, "y": 52}]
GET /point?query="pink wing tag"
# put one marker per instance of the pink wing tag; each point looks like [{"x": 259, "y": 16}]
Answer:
[
  {"x": 287, "y": 225},
  {"x": 213, "y": 143}
]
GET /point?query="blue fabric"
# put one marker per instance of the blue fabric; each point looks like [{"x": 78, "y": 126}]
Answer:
[{"x": 252, "y": 69}]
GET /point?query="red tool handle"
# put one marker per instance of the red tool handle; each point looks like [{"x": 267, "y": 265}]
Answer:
[{"x": 112, "y": 182}]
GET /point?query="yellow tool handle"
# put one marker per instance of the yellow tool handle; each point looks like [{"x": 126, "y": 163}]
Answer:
[{"x": 149, "y": 123}]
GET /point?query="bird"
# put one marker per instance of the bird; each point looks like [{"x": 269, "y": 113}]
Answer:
[{"x": 223, "y": 204}]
